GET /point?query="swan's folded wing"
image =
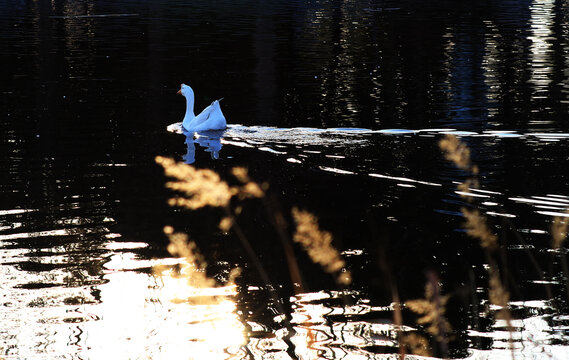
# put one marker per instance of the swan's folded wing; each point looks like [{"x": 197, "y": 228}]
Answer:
[{"x": 202, "y": 117}]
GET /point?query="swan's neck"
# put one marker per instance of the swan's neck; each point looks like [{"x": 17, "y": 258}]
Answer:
[{"x": 189, "y": 107}]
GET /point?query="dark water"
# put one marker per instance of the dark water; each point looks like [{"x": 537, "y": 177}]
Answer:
[{"x": 339, "y": 106}]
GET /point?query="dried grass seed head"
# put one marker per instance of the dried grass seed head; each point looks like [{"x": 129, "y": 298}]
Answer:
[
  {"x": 456, "y": 152},
  {"x": 225, "y": 224},
  {"x": 249, "y": 188},
  {"x": 318, "y": 245},
  {"x": 241, "y": 174},
  {"x": 559, "y": 230},
  {"x": 202, "y": 187},
  {"x": 417, "y": 344},
  {"x": 193, "y": 268},
  {"x": 499, "y": 296},
  {"x": 432, "y": 310},
  {"x": 477, "y": 227}
]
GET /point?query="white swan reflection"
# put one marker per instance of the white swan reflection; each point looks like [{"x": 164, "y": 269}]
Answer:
[{"x": 210, "y": 140}]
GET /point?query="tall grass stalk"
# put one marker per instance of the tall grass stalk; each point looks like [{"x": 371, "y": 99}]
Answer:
[
  {"x": 477, "y": 227},
  {"x": 559, "y": 228},
  {"x": 201, "y": 188},
  {"x": 431, "y": 311}
]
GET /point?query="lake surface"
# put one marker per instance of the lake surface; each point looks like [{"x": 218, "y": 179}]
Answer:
[{"x": 339, "y": 107}]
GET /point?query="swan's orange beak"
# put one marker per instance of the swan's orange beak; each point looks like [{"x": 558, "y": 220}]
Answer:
[{"x": 179, "y": 92}]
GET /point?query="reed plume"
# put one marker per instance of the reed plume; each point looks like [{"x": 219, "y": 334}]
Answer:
[
  {"x": 466, "y": 186},
  {"x": 192, "y": 268},
  {"x": 457, "y": 152},
  {"x": 559, "y": 230},
  {"x": 558, "y": 235},
  {"x": 499, "y": 296},
  {"x": 477, "y": 227},
  {"x": 417, "y": 344},
  {"x": 202, "y": 187},
  {"x": 318, "y": 245},
  {"x": 249, "y": 188},
  {"x": 226, "y": 223},
  {"x": 432, "y": 311}
]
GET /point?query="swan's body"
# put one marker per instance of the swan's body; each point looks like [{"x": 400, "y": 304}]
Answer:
[{"x": 211, "y": 118}]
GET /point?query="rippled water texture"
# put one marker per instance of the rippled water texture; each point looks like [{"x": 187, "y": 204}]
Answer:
[{"x": 335, "y": 107}]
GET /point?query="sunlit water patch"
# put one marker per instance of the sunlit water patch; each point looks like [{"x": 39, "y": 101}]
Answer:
[
  {"x": 117, "y": 310},
  {"x": 327, "y": 326}
]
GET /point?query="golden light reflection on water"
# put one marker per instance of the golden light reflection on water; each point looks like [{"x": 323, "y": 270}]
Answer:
[
  {"x": 121, "y": 312},
  {"x": 142, "y": 316},
  {"x": 176, "y": 313}
]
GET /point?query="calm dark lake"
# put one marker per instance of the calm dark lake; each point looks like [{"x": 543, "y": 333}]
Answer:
[{"x": 338, "y": 106}]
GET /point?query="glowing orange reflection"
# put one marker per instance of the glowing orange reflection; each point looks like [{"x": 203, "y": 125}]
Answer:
[{"x": 166, "y": 317}]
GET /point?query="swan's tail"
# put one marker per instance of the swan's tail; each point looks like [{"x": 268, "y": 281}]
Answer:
[{"x": 218, "y": 100}]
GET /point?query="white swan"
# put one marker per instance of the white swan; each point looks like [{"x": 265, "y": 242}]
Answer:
[{"x": 211, "y": 118}]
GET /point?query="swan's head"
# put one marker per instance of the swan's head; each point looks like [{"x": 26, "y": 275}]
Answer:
[{"x": 185, "y": 90}]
